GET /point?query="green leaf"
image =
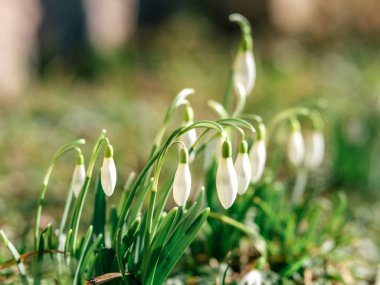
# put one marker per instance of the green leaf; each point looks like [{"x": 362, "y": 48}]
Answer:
[
  {"x": 99, "y": 215},
  {"x": 130, "y": 236},
  {"x": 89, "y": 259},
  {"x": 113, "y": 220},
  {"x": 158, "y": 242},
  {"x": 16, "y": 257},
  {"x": 82, "y": 254},
  {"x": 176, "y": 247},
  {"x": 119, "y": 257}
]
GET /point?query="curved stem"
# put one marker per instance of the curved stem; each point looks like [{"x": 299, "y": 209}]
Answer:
[
  {"x": 284, "y": 115},
  {"x": 237, "y": 122},
  {"x": 83, "y": 193},
  {"x": 45, "y": 182},
  {"x": 261, "y": 129},
  {"x": 179, "y": 100},
  {"x": 156, "y": 158}
]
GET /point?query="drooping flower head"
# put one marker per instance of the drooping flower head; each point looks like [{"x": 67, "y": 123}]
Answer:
[
  {"x": 226, "y": 178},
  {"x": 79, "y": 175},
  {"x": 295, "y": 146},
  {"x": 258, "y": 157},
  {"x": 108, "y": 172},
  {"x": 244, "y": 68},
  {"x": 243, "y": 168},
  {"x": 182, "y": 179},
  {"x": 314, "y": 149}
]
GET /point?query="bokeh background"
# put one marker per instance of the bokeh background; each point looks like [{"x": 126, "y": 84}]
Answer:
[{"x": 71, "y": 68}]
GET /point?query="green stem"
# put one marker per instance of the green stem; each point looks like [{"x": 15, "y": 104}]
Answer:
[
  {"x": 45, "y": 182},
  {"x": 261, "y": 129},
  {"x": 83, "y": 193},
  {"x": 64, "y": 217},
  {"x": 77, "y": 214},
  {"x": 229, "y": 92},
  {"x": 285, "y": 115},
  {"x": 240, "y": 104},
  {"x": 178, "y": 101}
]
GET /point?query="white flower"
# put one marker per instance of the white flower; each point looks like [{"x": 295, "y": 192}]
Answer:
[
  {"x": 314, "y": 149},
  {"x": 244, "y": 71},
  {"x": 189, "y": 137},
  {"x": 243, "y": 168},
  {"x": 252, "y": 278},
  {"x": 226, "y": 178},
  {"x": 182, "y": 179},
  {"x": 296, "y": 148},
  {"x": 79, "y": 175},
  {"x": 258, "y": 157},
  {"x": 108, "y": 172}
]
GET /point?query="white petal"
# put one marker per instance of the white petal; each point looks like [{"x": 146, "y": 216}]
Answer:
[
  {"x": 182, "y": 184},
  {"x": 79, "y": 175},
  {"x": 243, "y": 172},
  {"x": 189, "y": 138},
  {"x": 314, "y": 149},
  {"x": 245, "y": 71},
  {"x": 226, "y": 182},
  {"x": 108, "y": 176},
  {"x": 296, "y": 148},
  {"x": 252, "y": 278},
  {"x": 258, "y": 157}
]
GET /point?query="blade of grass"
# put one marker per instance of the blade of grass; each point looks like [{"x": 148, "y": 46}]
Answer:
[{"x": 16, "y": 256}]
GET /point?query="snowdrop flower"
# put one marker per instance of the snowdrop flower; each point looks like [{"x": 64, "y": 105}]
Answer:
[
  {"x": 257, "y": 156},
  {"x": 243, "y": 168},
  {"x": 314, "y": 149},
  {"x": 244, "y": 71},
  {"x": 226, "y": 179},
  {"x": 108, "y": 172},
  {"x": 252, "y": 278},
  {"x": 296, "y": 148},
  {"x": 79, "y": 175},
  {"x": 182, "y": 179}
]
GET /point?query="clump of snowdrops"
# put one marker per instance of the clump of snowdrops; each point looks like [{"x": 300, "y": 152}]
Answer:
[{"x": 239, "y": 202}]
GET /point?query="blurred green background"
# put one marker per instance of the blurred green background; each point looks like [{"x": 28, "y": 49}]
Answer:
[{"x": 75, "y": 83}]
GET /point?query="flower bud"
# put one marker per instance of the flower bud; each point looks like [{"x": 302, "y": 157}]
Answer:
[
  {"x": 244, "y": 71},
  {"x": 79, "y": 175},
  {"x": 182, "y": 179},
  {"x": 226, "y": 179},
  {"x": 296, "y": 148},
  {"x": 108, "y": 172},
  {"x": 314, "y": 149},
  {"x": 243, "y": 168},
  {"x": 252, "y": 278},
  {"x": 257, "y": 156}
]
